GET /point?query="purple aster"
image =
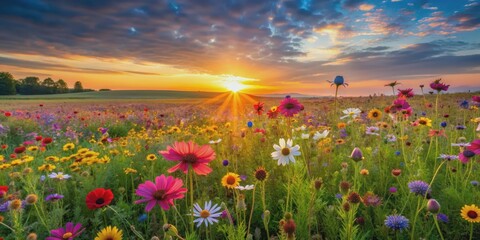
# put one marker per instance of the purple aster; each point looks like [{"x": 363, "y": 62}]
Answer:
[
  {"x": 396, "y": 222},
  {"x": 392, "y": 190},
  {"x": 474, "y": 183},
  {"x": 53, "y": 197},
  {"x": 448, "y": 157},
  {"x": 419, "y": 187}
]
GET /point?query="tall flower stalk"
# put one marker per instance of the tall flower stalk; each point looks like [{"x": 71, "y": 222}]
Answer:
[{"x": 338, "y": 81}]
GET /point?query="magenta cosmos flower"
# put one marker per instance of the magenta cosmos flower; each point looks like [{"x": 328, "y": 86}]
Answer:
[
  {"x": 162, "y": 192},
  {"x": 68, "y": 233},
  {"x": 475, "y": 146},
  {"x": 190, "y": 154},
  {"x": 290, "y": 106},
  {"x": 437, "y": 85}
]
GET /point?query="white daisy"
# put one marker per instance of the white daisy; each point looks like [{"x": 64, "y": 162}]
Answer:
[
  {"x": 305, "y": 135},
  {"x": 207, "y": 215},
  {"x": 317, "y": 136},
  {"x": 285, "y": 152},
  {"x": 59, "y": 176},
  {"x": 246, "y": 187},
  {"x": 351, "y": 112}
]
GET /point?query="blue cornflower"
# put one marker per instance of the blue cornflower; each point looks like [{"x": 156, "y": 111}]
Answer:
[
  {"x": 338, "y": 196},
  {"x": 464, "y": 104},
  {"x": 419, "y": 187},
  {"x": 250, "y": 124},
  {"x": 225, "y": 162},
  {"x": 396, "y": 222},
  {"x": 397, "y": 153},
  {"x": 142, "y": 217},
  {"x": 443, "y": 124},
  {"x": 442, "y": 217},
  {"x": 474, "y": 183}
]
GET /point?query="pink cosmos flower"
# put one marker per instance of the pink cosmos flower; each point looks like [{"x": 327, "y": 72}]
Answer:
[
  {"x": 437, "y": 85},
  {"x": 68, "y": 233},
  {"x": 162, "y": 192},
  {"x": 475, "y": 146},
  {"x": 290, "y": 106},
  {"x": 190, "y": 154}
]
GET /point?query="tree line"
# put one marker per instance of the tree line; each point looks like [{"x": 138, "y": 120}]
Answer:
[{"x": 33, "y": 85}]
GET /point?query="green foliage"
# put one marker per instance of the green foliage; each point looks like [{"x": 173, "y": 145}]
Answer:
[{"x": 7, "y": 84}]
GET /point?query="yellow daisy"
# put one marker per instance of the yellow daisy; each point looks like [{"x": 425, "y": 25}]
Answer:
[
  {"x": 375, "y": 114},
  {"x": 424, "y": 121},
  {"x": 109, "y": 233},
  {"x": 151, "y": 157},
  {"x": 231, "y": 180},
  {"x": 68, "y": 146},
  {"x": 471, "y": 213}
]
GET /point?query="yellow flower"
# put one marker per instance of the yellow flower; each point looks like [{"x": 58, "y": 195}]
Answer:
[
  {"x": 341, "y": 125},
  {"x": 364, "y": 171},
  {"x": 424, "y": 121},
  {"x": 471, "y": 213},
  {"x": 46, "y": 167},
  {"x": 2, "y": 158},
  {"x": 32, "y": 148},
  {"x": 231, "y": 180},
  {"x": 52, "y": 158},
  {"x": 129, "y": 170},
  {"x": 68, "y": 146},
  {"x": 151, "y": 157},
  {"x": 5, "y": 166},
  {"x": 375, "y": 114},
  {"x": 109, "y": 233}
]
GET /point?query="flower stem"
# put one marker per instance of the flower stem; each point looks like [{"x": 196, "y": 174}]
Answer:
[
  {"x": 471, "y": 231},
  {"x": 251, "y": 210},
  {"x": 438, "y": 227},
  {"x": 190, "y": 174}
]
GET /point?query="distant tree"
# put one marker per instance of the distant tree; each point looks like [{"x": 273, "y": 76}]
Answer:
[
  {"x": 30, "y": 85},
  {"x": 48, "y": 86},
  {"x": 104, "y": 90},
  {"x": 62, "y": 86},
  {"x": 78, "y": 87},
  {"x": 7, "y": 84}
]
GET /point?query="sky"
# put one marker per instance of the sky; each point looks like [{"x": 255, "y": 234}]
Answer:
[{"x": 279, "y": 46}]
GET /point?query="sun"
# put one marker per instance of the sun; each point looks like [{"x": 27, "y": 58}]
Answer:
[{"x": 232, "y": 84}]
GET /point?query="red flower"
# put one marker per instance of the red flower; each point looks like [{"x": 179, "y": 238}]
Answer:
[
  {"x": 47, "y": 140},
  {"x": 8, "y": 114},
  {"x": 4, "y": 146},
  {"x": 258, "y": 107},
  {"x": 3, "y": 191},
  {"x": 38, "y": 138},
  {"x": 19, "y": 150},
  {"x": 99, "y": 198}
]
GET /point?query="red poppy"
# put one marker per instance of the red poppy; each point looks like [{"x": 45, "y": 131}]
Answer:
[
  {"x": 3, "y": 191},
  {"x": 41, "y": 105},
  {"x": 99, "y": 198},
  {"x": 38, "y": 138},
  {"x": 4, "y": 146},
  {"x": 258, "y": 107},
  {"x": 19, "y": 150},
  {"x": 8, "y": 114},
  {"x": 47, "y": 140},
  {"x": 13, "y": 156}
]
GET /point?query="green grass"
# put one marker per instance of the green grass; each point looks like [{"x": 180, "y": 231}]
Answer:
[{"x": 119, "y": 94}]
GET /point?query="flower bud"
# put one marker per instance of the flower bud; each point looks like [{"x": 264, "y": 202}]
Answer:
[
  {"x": 356, "y": 155},
  {"x": 433, "y": 206}
]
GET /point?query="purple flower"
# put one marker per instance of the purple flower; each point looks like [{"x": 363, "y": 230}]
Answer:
[
  {"x": 419, "y": 187},
  {"x": 437, "y": 85},
  {"x": 474, "y": 183},
  {"x": 392, "y": 190},
  {"x": 69, "y": 232},
  {"x": 465, "y": 156},
  {"x": 53, "y": 197},
  {"x": 442, "y": 217},
  {"x": 396, "y": 222}
]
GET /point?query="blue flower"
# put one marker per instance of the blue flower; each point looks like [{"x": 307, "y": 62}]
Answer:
[
  {"x": 419, "y": 187},
  {"x": 142, "y": 217},
  {"x": 250, "y": 124},
  {"x": 464, "y": 104},
  {"x": 442, "y": 217},
  {"x": 397, "y": 153},
  {"x": 338, "y": 196},
  {"x": 225, "y": 162},
  {"x": 443, "y": 124},
  {"x": 396, "y": 222},
  {"x": 474, "y": 183}
]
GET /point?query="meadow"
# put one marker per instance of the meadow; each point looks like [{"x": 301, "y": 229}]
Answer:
[{"x": 383, "y": 167}]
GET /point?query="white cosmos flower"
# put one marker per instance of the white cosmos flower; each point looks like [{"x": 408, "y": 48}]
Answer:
[
  {"x": 284, "y": 152},
  {"x": 351, "y": 112},
  {"x": 246, "y": 187},
  {"x": 207, "y": 215},
  {"x": 305, "y": 135},
  {"x": 317, "y": 136}
]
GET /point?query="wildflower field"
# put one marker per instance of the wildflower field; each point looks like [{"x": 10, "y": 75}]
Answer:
[{"x": 383, "y": 167}]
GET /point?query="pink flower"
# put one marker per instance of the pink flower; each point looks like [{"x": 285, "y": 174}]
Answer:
[
  {"x": 290, "y": 106},
  {"x": 437, "y": 85},
  {"x": 190, "y": 154},
  {"x": 475, "y": 146},
  {"x": 68, "y": 233},
  {"x": 476, "y": 99},
  {"x": 162, "y": 192},
  {"x": 406, "y": 93}
]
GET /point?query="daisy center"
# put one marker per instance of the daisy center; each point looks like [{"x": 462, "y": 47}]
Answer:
[
  {"x": 231, "y": 180},
  {"x": 472, "y": 214},
  {"x": 204, "y": 213},
  {"x": 190, "y": 158},
  {"x": 67, "y": 235},
  {"x": 375, "y": 114},
  {"x": 286, "y": 151},
  {"x": 289, "y": 106},
  {"x": 100, "y": 201},
  {"x": 159, "y": 195},
  {"x": 422, "y": 122}
]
